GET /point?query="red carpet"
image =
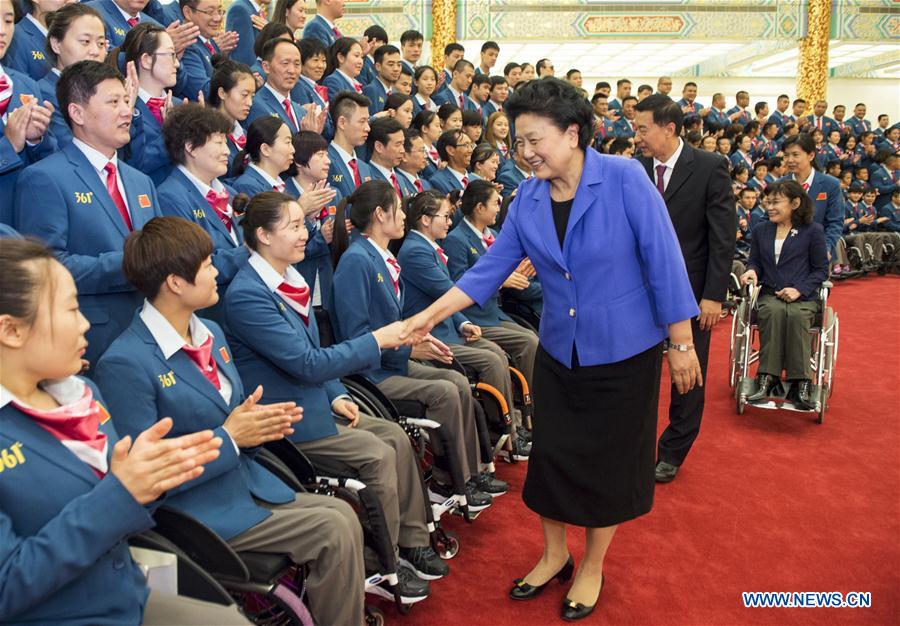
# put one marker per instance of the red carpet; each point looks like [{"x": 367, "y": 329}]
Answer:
[{"x": 767, "y": 501}]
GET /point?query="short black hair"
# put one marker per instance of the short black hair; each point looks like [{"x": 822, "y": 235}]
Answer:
[
  {"x": 311, "y": 47},
  {"x": 664, "y": 110},
  {"x": 344, "y": 102},
  {"x": 792, "y": 190},
  {"x": 627, "y": 98},
  {"x": 461, "y": 66},
  {"x": 78, "y": 83},
  {"x": 409, "y": 36},
  {"x": 622, "y": 81},
  {"x": 379, "y": 131},
  {"x": 268, "y": 50},
  {"x": 598, "y": 96},
  {"x": 759, "y": 106},
  {"x": 498, "y": 80},
  {"x": 453, "y": 47},
  {"x": 192, "y": 123},
  {"x": 510, "y": 67},
  {"x": 572, "y": 72},
  {"x": 381, "y": 51},
  {"x": 556, "y": 100},
  {"x": 881, "y": 116},
  {"x": 490, "y": 45},
  {"x": 377, "y": 33},
  {"x": 480, "y": 79},
  {"x": 448, "y": 138},
  {"x": 472, "y": 118},
  {"x": 272, "y": 30},
  {"x": 619, "y": 145},
  {"x": 602, "y": 85}
]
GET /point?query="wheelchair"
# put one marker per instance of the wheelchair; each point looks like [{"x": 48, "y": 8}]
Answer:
[{"x": 744, "y": 351}]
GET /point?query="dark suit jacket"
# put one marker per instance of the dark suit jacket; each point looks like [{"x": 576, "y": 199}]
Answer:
[
  {"x": 701, "y": 207},
  {"x": 802, "y": 264}
]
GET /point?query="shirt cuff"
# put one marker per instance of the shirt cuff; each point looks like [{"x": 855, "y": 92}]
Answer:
[{"x": 233, "y": 442}]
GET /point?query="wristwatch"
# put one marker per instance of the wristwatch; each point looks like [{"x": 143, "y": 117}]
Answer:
[{"x": 681, "y": 347}]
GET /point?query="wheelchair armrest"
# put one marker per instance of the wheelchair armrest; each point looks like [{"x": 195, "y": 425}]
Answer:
[
  {"x": 200, "y": 543},
  {"x": 293, "y": 460},
  {"x": 272, "y": 462},
  {"x": 193, "y": 581}
]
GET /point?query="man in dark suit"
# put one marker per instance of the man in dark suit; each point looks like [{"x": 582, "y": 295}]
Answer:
[{"x": 697, "y": 190}]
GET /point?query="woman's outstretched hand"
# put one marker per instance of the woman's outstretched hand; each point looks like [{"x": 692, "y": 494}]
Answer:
[{"x": 416, "y": 328}]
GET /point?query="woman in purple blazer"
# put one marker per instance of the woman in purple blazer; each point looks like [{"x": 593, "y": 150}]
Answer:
[{"x": 615, "y": 287}]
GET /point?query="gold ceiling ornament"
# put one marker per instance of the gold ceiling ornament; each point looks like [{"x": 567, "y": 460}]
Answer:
[
  {"x": 812, "y": 65},
  {"x": 443, "y": 29}
]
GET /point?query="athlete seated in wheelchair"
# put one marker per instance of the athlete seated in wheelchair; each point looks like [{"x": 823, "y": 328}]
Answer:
[
  {"x": 171, "y": 363},
  {"x": 789, "y": 261}
]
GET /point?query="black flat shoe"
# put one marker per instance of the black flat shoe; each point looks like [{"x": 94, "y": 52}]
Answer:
[
  {"x": 574, "y": 611},
  {"x": 523, "y": 591}
]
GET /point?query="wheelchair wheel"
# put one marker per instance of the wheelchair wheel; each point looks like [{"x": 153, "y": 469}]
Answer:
[
  {"x": 447, "y": 545},
  {"x": 736, "y": 347},
  {"x": 740, "y": 403},
  {"x": 374, "y": 616}
]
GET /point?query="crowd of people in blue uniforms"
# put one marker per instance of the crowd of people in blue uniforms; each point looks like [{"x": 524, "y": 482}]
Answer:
[{"x": 270, "y": 165}]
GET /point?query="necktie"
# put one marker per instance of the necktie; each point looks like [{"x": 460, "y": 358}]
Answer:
[
  {"x": 394, "y": 268},
  {"x": 112, "y": 187},
  {"x": 462, "y": 103},
  {"x": 805, "y": 186},
  {"x": 356, "y": 180},
  {"x": 4, "y": 85},
  {"x": 133, "y": 21},
  {"x": 465, "y": 181},
  {"x": 441, "y": 254},
  {"x": 418, "y": 183},
  {"x": 488, "y": 239},
  {"x": 297, "y": 297},
  {"x": 289, "y": 110},
  {"x": 819, "y": 123},
  {"x": 661, "y": 179},
  {"x": 240, "y": 142},
  {"x": 336, "y": 32},
  {"x": 202, "y": 358},
  {"x": 219, "y": 201},
  {"x": 632, "y": 126},
  {"x": 156, "y": 106},
  {"x": 279, "y": 187},
  {"x": 209, "y": 47},
  {"x": 396, "y": 184},
  {"x": 322, "y": 90}
]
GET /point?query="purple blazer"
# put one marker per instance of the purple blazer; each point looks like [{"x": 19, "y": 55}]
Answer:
[{"x": 618, "y": 281}]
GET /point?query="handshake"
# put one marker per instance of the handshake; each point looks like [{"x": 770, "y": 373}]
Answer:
[{"x": 414, "y": 332}]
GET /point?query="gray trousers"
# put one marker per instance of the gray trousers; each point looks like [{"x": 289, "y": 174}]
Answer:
[
  {"x": 164, "y": 609},
  {"x": 380, "y": 453},
  {"x": 324, "y": 534},
  {"x": 448, "y": 401},
  {"x": 492, "y": 365},
  {"x": 519, "y": 342},
  {"x": 784, "y": 336}
]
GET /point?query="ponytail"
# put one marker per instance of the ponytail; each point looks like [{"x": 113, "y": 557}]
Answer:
[{"x": 362, "y": 202}]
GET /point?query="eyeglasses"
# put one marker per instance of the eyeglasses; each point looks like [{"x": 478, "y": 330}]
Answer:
[
  {"x": 441, "y": 216},
  {"x": 211, "y": 12},
  {"x": 171, "y": 55}
]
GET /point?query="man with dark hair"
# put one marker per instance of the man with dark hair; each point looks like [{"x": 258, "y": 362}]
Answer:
[
  {"x": 83, "y": 202},
  {"x": 473, "y": 125},
  {"x": 688, "y": 101},
  {"x": 490, "y": 50},
  {"x": 779, "y": 116},
  {"x": 643, "y": 91},
  {"x": 455, "y": 91},
  {"x": 716, "y": 116},
  {"x": 696, "y": 187},
  {"x": 838, "y": 113},
  {"x": 387, "y": 71},
  {"x": 603, "y": 87},
  {"x": 376, "y": 37},
  {"x": 499, "y": 91},
  {"x": 625, "y": 125},
  {"x": 414, "y": 161},
  {"x": 512, "y": 72},
  {"x": 479, "y": 92},
  {"x": 798, "y": 108},
  {"x": 738, "y": 114},
  {"x": 622, "y": 146},
  {"x": 322, "y": 26},
  {"x": 818, "y": 120},
  {"x": 664, "y": 85},
  {"x": 350, "y": 114},
  {"x": 623, "y": 90},
  {"x": 574, "y": 77},
  {"x": 883, "y": 122},
  {"x": 385, "y": 144},
  {"x": 411, "y": 49},
  {"x": 544, "y": 67},
  {"x": 454, "y": 147},
  {"x": 282, "y": 65},
  {"x": 604, "y": 126},
  {"x": 453, "y": 54},
  {"x": 858, "y": 123},
  {"x": 196, "y": 63}
]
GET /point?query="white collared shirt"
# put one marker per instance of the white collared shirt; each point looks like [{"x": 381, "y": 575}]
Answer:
[
  {"x": 670, "y": 163},
  {"x": 459, "y": 176},
  {"x": 428, "y": 105},
  {"x": 324, "y": 19},
  {"x": 238, "y": 131},
  {"x": 523, "y": 172},
  {"x": 385, "y": 255},
  {"x": 98, "y": 161},
  {"x": 170, "y": 342},
  {"x": 412, "y": 178},
  {"x": 34, "y": 21},
  {"x": 281, "y": 98},
  {"x": 145, "y": 95},
  {"x": 480, "y": 234},
  {"x": 352, "y": 81},
  {"x": 809, "y": 179},
  {"x": 385, "y": 171},
  {"x": 273, "y": 182},
  {"x": 456, "y": 95},
  {"x": 128, "y": 16},
  {"x": 204, "y": 189}
]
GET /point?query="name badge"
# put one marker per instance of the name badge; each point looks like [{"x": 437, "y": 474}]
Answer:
[
  {"x": 144, "y": 201},
  {"x": 224, "y": 354}
]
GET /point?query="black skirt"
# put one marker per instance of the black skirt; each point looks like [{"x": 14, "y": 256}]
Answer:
[{"x": 594, "y": 441}]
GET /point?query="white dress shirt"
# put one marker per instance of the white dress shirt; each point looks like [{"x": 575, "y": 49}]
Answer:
[
  {"x": 272, "y": 181},
  {"x": 98, "y": 161},
  {"x": 670, "y": 164}
]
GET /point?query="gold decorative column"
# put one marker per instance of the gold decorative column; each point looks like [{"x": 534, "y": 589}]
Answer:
[
  {"x": 812, "y": 66},
  {"x": 443, "y": 29}
]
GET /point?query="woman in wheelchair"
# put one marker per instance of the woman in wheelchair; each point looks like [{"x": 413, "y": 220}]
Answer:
[
  {"x": 273, "y": 331},
  {"x": 425, "y": 278},
  {"x": 789, "y": 261},
  {"x": 71, "y": 492},
  {"x": 170, "y": 362},
  {"x": 368, "y": 294}
]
